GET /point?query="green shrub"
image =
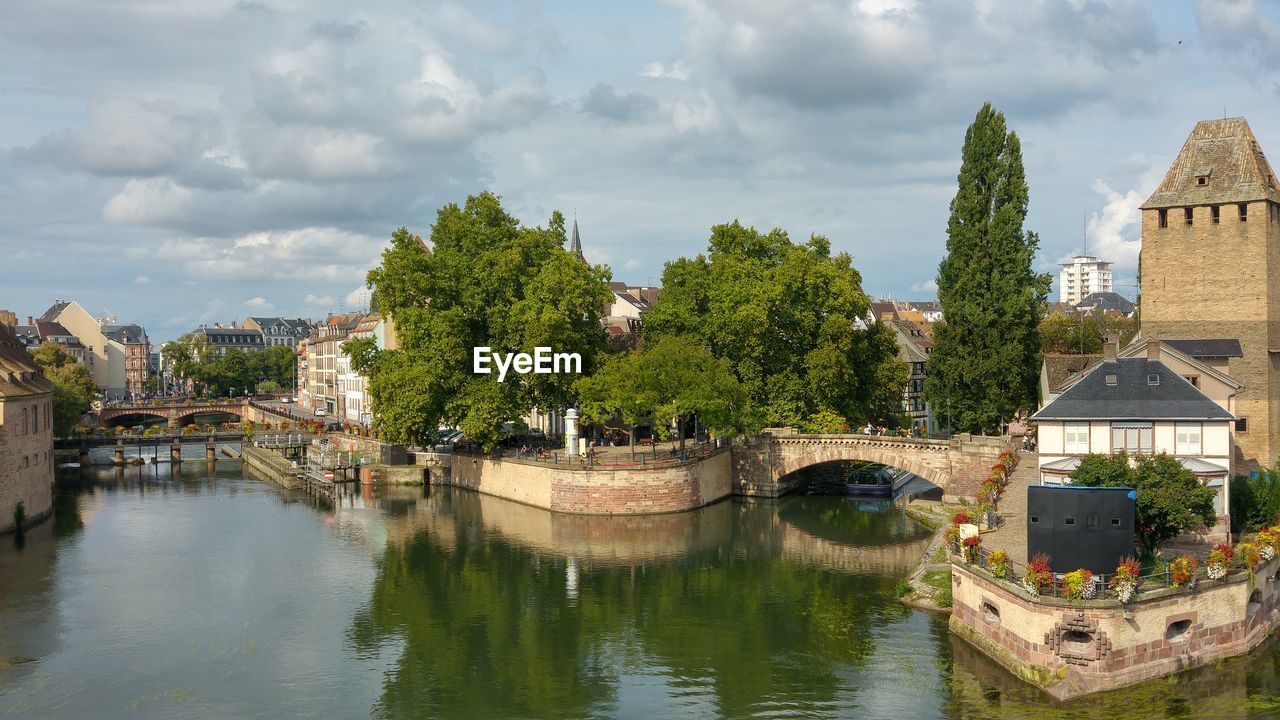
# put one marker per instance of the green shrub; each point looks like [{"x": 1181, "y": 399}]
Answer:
[
  {"x": 1255, "y": 500},
  {"x": 903, "y": 588}
]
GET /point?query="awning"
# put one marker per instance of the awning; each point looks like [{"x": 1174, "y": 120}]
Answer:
[
  {"x": 1202, "y": 467},
  {"x": 1063, "y": 465}
]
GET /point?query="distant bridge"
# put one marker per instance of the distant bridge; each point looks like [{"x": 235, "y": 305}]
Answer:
[
  {"x": 176, "y": 413},
  {"x": 767, "y": 464}
]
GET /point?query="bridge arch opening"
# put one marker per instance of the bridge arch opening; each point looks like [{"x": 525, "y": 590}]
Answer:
[
  {"x": 134, "y": 419},
  {"x": 206, "y": 417},
  {"x": 860, "y": 478}
]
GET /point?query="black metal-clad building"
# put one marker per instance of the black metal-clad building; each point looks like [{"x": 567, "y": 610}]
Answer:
[{"x": 1080, "y": 527}]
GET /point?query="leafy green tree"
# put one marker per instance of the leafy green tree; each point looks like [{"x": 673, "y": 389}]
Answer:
[
  {"x": 674, "y": 377},
  {"x": 73, "y": 386},
  {"x": 1255, "y": 500},
  {"x": 1072, "y": 334},
  {"x": 1170, "y": 498},
  {"x": 486, "y": 281},
  {"x": 985, "y": 363},
  {"x": 786, "y": 318}
]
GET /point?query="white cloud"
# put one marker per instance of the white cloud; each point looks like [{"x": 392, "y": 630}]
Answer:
[
  {"x": 142, "y": 280},
  {"x": 318, "y": 253},
  {"x": 1114, "y": 231},
  {"x": 676, "y": 71},
  {"x": 358, "y": 299},
  {"x": 930, "y": 285},
  {"x": 259, "y": 304},
  {"x": 318, "y": 300}
]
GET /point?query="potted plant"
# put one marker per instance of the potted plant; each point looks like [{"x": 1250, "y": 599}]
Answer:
[
  {"x": 998, "y": 564},
  {"x": 1182, "y": 571},
  {"x": 1125, "y": 582},
  {"x": 1078, "y": 585},
  {"x": 952, "y": 538},
  {"x": 960, "y": 518},
  {"x": 1250, "y": 555},
  {"x": 970, "y": 548},
  {"x": 1219, "y": 561},
  {"x": 1039, "y": 576},
  {"x": 1267, "y": 540}
]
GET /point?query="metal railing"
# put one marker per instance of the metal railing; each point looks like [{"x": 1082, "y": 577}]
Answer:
[
  {"x": 1015, "y": 572},
  {"x": 648, "y": 459}
]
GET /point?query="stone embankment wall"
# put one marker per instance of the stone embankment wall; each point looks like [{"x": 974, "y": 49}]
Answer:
[
  {"x": 270, "y": 465},
  {"x": 1081, "y": 647},
  {"x": 598, "y": 491}
]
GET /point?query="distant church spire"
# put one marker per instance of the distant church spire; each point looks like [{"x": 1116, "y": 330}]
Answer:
[{"x": 575, "y": 243}]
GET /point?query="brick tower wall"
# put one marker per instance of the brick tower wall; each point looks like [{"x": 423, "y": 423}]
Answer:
[{"x": 1208, "y": 280}]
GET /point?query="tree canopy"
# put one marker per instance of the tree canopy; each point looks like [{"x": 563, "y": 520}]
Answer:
[
  {"x": 1075, "y": 334},
  {"x": 672, "y": 378},
  {"x": 986, "y": 359},
  {"x": 484, "y": 281},
  {"x": 73, "y": 386},
  {"x": 786, "y": 317},
  {"x": 1170, "y": 498},
  {"x": 192, "y": 357}
]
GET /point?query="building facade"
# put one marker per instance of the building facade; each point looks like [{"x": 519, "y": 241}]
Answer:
[
  {"x": 1210, "y": 256},
  {"x": 26, "y": 434},
  {"x": 279, "y": 330},
  {"x": 1143, "y": 401},
  {"x": 115, "y": 349},
  {"x": 1081, "y": 277},
  {"x": 221, "y": 339}
]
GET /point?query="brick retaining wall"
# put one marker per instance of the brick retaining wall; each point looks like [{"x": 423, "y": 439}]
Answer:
[{"x": 633, "y": 491}]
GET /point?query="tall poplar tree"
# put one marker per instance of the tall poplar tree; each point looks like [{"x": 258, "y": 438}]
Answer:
[{"x": 985, "y": 364}]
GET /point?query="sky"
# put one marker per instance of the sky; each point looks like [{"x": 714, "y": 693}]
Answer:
[{"x": 182, "y": 162}]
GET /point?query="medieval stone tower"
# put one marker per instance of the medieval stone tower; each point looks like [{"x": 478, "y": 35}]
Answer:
[{"x": 1211, "y": 270}]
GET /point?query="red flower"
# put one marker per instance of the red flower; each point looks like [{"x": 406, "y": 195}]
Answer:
[{"x": 960, "y": 518}]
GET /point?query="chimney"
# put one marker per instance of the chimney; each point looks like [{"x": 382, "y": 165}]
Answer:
[
  {"x": 31, "y": 320},
  {"x": 1108, "y": 351},
  {"x": 1153, "y": 350}
]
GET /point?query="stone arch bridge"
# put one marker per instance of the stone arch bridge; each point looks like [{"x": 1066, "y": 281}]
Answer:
[
  {"x": 177, "y": 414},
  {"x": 765, "y": 466}
]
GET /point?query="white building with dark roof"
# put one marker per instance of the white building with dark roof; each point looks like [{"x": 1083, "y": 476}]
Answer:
[{"x": 1144, "y": 400}]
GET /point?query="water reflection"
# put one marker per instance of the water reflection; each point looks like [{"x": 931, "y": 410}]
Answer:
[{"x": 202, "y": 594}]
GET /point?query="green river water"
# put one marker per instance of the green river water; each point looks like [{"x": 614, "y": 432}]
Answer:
[{"x": 214, "y": 595}]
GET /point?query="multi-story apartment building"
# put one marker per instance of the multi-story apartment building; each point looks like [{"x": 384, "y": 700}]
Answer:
[
  {"x": 353, "y": 388},
  {"x": 115, "y": 349},
  {"x": 1083, "y": 276},
  {"x": 279, "y": 330},
  {"x": 221, "y": 339},
  {"x": 324, "y": 348},
  {"x": 137, "y": 356},
  {"x": 26, "y": 434}
]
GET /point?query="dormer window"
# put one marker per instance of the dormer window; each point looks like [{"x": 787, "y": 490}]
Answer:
[
  {"x": 1202, "y": 180},
  {"x": 1111, "y": 379},
  {"x": 1153, "y": 379}
]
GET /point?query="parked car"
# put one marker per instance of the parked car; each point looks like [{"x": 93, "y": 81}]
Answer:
[{"x": 320, "y": 412}]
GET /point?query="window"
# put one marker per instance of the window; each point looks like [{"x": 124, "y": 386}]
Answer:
[
  {"x": 1193, "y": 379},
  {"x": 1111, "y": 379},
  {"x": 1188, "y": 438},
  {"x": 1202, "y": 180},
  {"x": 1187, "y": 212},
  {"x": 1076, "y": 438},
  {"x": 1132, "y": 438},
  {"x": 1092, "y": 521},
  {"x": 25, "y": 427},
  {"x": 1115, "y": 522},
  {"x": 1242, "y": 425},
  {"x": 1244, "y": 211},
  {"x": 1069, "y": 521},
  {"x": 1153, "y": 379},
  {"x": 1217, "y": 214},
  {"x": 1035, "y": 520},
  {"x": 1163, "y": 218}
]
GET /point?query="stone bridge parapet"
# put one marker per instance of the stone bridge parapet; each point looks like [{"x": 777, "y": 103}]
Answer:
[
  {"x": 766, "y": 464},
  {"x": 174, "y": 413}
]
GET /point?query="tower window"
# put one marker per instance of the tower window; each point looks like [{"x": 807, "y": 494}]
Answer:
[
  {"x": 1187, "y": 213},
  {"x": 1242, "y": 425},
  {"x": 1163, "y": 218},
  {"x": 1217, "y": 214},
  {"x": 1244, "y": 211}
]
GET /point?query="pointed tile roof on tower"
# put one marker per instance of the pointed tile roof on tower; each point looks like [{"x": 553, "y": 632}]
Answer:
[
  {"x": 575, "y": 244},
  {"x": 1221, "y": 162}
]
